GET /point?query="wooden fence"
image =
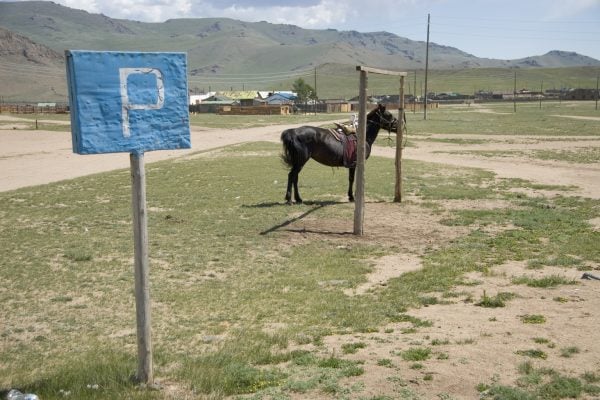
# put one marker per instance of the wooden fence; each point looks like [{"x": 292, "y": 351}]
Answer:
[
  {"x": 256, "y": 110},
  {"x": 33, "y": 109}
]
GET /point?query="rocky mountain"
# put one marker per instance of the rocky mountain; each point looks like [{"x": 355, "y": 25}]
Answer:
[
  {"x": 557, "y": 58},
  {"x": 18, "y": 49}
]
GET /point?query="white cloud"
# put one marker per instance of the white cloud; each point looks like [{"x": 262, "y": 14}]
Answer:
[
  {"x": 563, "y": 9},
  {"x": 322, "y": 14},
  {"x": 316, "y": 14}
]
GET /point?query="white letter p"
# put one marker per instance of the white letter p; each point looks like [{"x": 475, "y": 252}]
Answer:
[{"x": 126, "y": 106}]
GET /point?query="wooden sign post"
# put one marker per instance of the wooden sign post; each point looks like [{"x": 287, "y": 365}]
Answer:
[
  {"x": 141, "y": 268},
  {"x": 131, "y": 102},
  {"x": 359, "y": 197}
]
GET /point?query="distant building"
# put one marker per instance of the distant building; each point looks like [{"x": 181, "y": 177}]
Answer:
[
  {"x": 580, "y": 94},
  {"x": 241, "y": 97},
  {"x": 199, "y": 98},
  {"x": 279, "y": 98}
]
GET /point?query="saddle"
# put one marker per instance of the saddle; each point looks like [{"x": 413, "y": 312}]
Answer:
[
  {"x": 348, "y": 141},
  {"x": 347, "y": 129}
]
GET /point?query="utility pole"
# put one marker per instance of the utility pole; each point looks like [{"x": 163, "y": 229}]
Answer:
[
  {"x": 597, "y": 93},
  {"x": 426, "y": 69},
  {"x": 415, "y": 94},
  {"x": 515, "y": 94},
  {"x": 315, "y": 81},
  {"x": 541, "y": 93},
  {"x": 316, "y": 96}
]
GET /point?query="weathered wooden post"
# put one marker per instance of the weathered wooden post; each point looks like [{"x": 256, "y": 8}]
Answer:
[
  {"x": 359, "y": 197},
  {"x": 399, "y": 140},
  {"x": 131, "y": 102},
  {"x": 141, "y": 268}
]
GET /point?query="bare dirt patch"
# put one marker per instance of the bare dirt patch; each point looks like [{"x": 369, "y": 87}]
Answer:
[{"x": 468, "y": 344}]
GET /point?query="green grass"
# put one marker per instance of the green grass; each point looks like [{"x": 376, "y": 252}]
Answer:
[
  {"x": 416, "y": 354},
  {"x": 498, "y": 300},
  {"x": 533, "y": 353},
  {"x": 568, "y": 352},
  {"x": 545, "y": 282},
  {"x": 351, "y": 348},
  {"x": 540, "y": 383},
  {"x": 533, "y": 319},
  {"x": 528, "y": 120},
  {"x": 580, "y": 156},
  {"x": 233, "y": 285},
  {"x": 385, "y": 362}
]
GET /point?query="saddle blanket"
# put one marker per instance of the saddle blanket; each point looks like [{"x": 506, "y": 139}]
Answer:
[{"x": 349, "y": 147}]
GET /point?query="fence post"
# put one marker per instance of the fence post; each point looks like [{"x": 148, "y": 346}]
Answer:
[
  {"x": 399, "y": 139},
  {"x": 359, "y": 198}
]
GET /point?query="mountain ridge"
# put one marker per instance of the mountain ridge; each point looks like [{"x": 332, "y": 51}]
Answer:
[
  {"x": 229, "y": 42},
  {"x": 224, "y": 52}
]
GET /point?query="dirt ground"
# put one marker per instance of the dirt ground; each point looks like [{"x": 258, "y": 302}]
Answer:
[{"x": 471, "y": 345}]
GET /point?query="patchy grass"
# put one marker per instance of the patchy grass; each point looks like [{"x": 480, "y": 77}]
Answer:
[
  {"x": 385, "y": 362},
  {"x": 533, "y": 319},
  {"x": 498, "y": 300},
  {"x": 540, "y": 383},
  {"x": 545, "y": 282},
  {"x": 570, "y": 351},
  {"x": 533, "y": 353},
  {"x": 587, "y": 155},
  {"x": 351, "y": 348},
  {"x": 416, "y": 354},
  {"x": 233, "y": 289}
]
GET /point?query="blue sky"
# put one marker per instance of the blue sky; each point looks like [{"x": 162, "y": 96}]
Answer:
[{"x": 503, "y": 29}]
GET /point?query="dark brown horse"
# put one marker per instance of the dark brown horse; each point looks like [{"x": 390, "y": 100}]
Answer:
[{"x": 306, "y": 142}]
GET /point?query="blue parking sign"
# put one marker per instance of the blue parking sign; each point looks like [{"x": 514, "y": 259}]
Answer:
[{"x": 127, "y": 101}]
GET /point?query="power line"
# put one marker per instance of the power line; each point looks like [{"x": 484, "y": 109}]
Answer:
[
  {"x": 513, "y": 29},
  {"x": 520, "y": 37},
  {"x": 522, "y": 21}
]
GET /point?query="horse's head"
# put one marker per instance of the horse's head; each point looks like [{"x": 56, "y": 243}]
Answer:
[{"x": 383, "y": 118}]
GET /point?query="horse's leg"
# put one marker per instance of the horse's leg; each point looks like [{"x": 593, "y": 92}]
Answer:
[
  {"x": 288, "y": 193},
  {"x": 296, "y": 171},
  {"x": 293, "y": 185},
  {"x": 351, "y": 172}
]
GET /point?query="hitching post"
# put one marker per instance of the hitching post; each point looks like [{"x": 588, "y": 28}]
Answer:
[
  {"x": 399, "y": 140},
  {"x": 130, "y": 102},
  {"x": 359, "y": 198}
]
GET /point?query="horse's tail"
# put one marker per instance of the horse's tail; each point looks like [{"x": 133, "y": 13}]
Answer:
[{"x": 290, "y": 154}]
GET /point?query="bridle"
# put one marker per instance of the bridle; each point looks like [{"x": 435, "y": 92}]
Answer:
[{"x": 389, "y": 123}]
